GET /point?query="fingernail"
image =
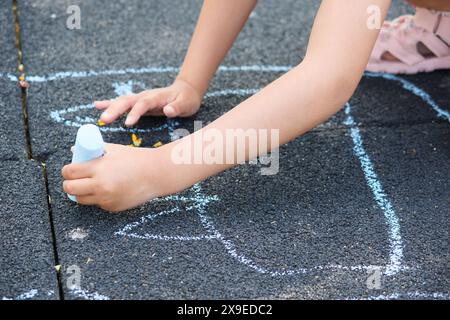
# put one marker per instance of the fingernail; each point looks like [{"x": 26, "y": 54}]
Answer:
[
  {"x": 130, "y": 120},
  {"x": 105, "y": 116},
  {"x": 169, "y": 111}
]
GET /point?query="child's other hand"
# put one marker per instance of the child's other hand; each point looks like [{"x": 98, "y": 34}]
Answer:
[
  {"x": 123, "y": 178},
  {"x": 178, "y": 100}
]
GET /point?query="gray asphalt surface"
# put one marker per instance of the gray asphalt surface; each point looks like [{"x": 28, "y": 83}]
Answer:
[
  {"x": 11, "y": 128},
  {"x": 318, "y": 229},
  {"x": 26, "y": 255}
]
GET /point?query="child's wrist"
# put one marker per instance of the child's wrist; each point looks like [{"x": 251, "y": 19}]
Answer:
[
  {"x": 198, "y": 88},
  {"x": 173, "y": 178}
]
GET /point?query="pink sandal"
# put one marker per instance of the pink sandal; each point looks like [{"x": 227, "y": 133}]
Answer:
[{"x": 405, "y": 36}]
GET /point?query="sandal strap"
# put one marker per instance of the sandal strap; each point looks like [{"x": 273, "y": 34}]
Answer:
[
  {"x": 436, "y": 22},
  {"x": 434, "y": 44},
  {"x": 395, "y": 44}
]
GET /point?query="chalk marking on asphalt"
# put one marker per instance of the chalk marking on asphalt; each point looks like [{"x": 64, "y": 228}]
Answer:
[
  {"x": 126, "y": 88},
  {"x": 9, "y": 76},
  {"x": 407, "y": 295},
  {"x": 395, "y": 239},
  {"x": 58, "y": 116},
  {"x": 419, "y": 92},
  {"x": 77, "y": 292},
  {"x": 117, "y": 72},
  {"x": 126, "y": 231},
  {"x": 120, "y": 88},
  {"x": 24, "y": 296},
  {"x": 78, "y": 234},
  {"x": 80, "y": 293},
  {"x": 227, "y": 92}
]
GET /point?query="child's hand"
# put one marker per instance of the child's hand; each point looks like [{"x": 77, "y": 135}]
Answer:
[
  {"x": 178, "y": 100},
  {"x": 123, "y": 178}
]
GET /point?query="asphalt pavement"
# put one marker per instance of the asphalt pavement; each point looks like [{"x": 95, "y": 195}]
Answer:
[{"x": 359, "y": 209}]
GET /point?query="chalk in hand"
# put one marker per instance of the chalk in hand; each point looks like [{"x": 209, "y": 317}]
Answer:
[{"x": 89, "y": 145}]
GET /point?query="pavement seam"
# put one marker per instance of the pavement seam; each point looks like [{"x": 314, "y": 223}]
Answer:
[
  {"x": 52, "y": 229},
  {"x": 22, "y": 89},
  {"x": 29, "y": 149}
]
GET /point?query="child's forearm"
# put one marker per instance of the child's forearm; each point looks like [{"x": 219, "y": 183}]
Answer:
[
  {"x": 219, "y": 24},
  {"x": 309, "y": 94}
]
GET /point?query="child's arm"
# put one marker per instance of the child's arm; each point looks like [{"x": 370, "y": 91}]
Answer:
[
  {"x": 218, "y": 25},
  {"x": 337, "y": 54},
  {"x": 338, "y": 51}
]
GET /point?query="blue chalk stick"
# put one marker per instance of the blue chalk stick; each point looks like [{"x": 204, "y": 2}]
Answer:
[{"x": 89, "y": 145}]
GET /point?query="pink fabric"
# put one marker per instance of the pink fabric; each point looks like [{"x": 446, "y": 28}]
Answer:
[{"x": 401, "y": 37}]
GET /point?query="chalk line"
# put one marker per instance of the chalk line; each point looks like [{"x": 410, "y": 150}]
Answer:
[
  {"x": 9, "y": 76},
  {"x": 120, "y": 88},
  {"x": 77, "y": 292},
  {"x": 24, "y": 296},
  {"x": 33, "y": 293},
  {"x": 126, "y": 231},
  {"x": 80, "y": 293},
  {"x": 123, "y": 89},
  {"x": 417, "y": 91},
  {"x": 406, "y": 296},
  {"x": 227, "y": 92},
  {"x": 395, "y": 239},
  {"x": 58, "y": 117},
  {"x": 144, "y": 70}
]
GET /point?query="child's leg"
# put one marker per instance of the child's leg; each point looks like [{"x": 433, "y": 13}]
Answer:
[{"x": 412, "y": 44}]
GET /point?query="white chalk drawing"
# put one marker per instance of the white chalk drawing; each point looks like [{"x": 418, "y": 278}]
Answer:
[
  {"x": 198, "y": 201},
  {"x": 79, "y": 293},
  {"x": 24, "y": 296},
  {"x": 414, "y": 295},
  {"x": 31, "y": 294},
  {"x": 120, "y": 88},
  {"x": 83, "y": 294}
]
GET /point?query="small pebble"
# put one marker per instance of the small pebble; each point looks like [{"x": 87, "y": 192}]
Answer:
[
  {"x": 158, "y": 144},
  {"x": 136, "y": 141}
]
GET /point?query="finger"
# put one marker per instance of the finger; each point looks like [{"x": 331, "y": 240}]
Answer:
[
  {"x": 103, "y": 104},
  {"x": 178, "y": 108},
  {"x": 79, "y": 187},
  {"x": 117, "y": 108},
  {"x": 88, "y": 200},
  {"x": 78, "y": 170},
  {"x": 142, "y": 106}
]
